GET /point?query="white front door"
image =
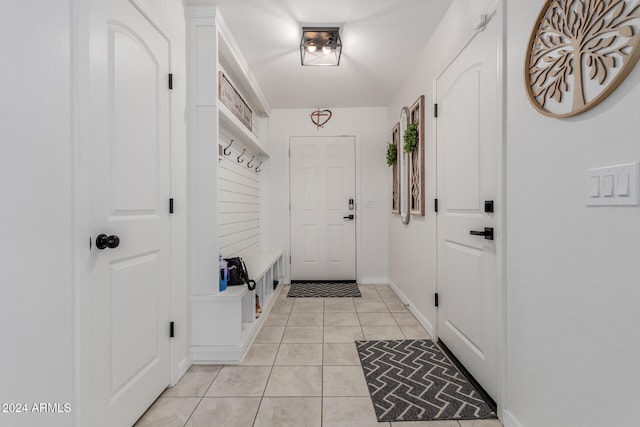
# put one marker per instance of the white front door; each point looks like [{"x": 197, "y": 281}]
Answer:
[
  {"x": 323, "y": 235},
  {"x": 468, "y": 174},
  {"x": 129, "y": 149}
]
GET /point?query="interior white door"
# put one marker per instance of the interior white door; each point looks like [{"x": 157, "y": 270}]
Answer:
[
  {"x": 323, "y": 235},
  {"x": 468, "y": 173},
  {"x": 130, "y": 187}
]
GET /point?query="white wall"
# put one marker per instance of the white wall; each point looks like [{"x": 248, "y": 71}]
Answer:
[
  {"x": 36, "y": 253},
  {"x": 368, "y": 125},
  {"x": 572, "y": 271},
  {"x": 412, "y": 247}
]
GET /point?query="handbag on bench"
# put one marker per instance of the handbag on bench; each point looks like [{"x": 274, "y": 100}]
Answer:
[{"x": 238, "y": 274}]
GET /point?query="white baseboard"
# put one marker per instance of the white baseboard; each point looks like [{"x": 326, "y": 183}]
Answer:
[
  {"x": 423, "y": 320},
  {"x": 373, "y": 281},
  {"x": 509, "y": 420},
  {"x": 183, "y": 367}
]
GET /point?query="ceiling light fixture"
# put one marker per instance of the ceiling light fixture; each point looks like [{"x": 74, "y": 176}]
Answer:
[{"x": 320, "y": 46}]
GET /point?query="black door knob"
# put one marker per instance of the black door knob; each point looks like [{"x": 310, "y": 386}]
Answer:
[
  {"x": 487, "y": 233},
  {"x": 349, "y": 217},
  {"x": 103, "y": 241}
]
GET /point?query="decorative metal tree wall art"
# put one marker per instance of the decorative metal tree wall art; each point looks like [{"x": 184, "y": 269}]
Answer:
[
  {"x": 395, "y": 188},
  {"x": 416, "y": 180},
  {"x": 579, "y": 53}
]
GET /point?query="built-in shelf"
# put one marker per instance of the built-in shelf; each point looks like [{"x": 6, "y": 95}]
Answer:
[
  {"x": 230, "y": 57},
  {"x": 223, "y": 323},
  {"x": 261, "y": 262},
  {"x": 238, "y": 131},
  {"x": 232, "y": 292}
]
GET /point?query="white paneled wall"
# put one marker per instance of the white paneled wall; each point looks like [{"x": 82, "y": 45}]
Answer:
[{"x": 238, "y": 201}]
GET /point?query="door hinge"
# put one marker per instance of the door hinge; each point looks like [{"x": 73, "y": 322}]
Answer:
[
  {"x": 435, "y": 300},
  {"x": 435, "y": 205},
  {"x": 435, "y": 110},
  {"x": 171, "y": 205},
  {"x": 172, "y": 330},
  {"x": 170, "y": 81},
  {"x": 289, "y": 259}
]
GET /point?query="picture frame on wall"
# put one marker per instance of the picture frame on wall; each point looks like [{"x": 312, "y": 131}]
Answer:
[
  {"x": 416, "y": 161},
  {"x": 395, "y": 185},
  {"x": 227, "y": 93},
  {"x": 405, "y": 173},
  {"x": 233, "y": 101}
]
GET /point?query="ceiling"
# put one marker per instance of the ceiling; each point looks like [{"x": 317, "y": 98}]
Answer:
[{"x": 381, "y": 41}]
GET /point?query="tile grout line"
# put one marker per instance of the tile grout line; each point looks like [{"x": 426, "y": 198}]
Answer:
[
  {"x": 203, "y": 395},
  {"x": 199, "y": 398},
  {"x": 255, "y": 418},
  {"x": 194, "y": 410}
]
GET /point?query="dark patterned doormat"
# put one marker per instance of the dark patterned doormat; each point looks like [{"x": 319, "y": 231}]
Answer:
[
  {"x": 412, "y": 380},
  {"x": 323, "y": 289}
]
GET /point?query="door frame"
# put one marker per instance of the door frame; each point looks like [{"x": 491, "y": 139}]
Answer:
[
  {"x": 356, "y": 166},
  {"x": 497, "y": 8},
  {"x": 80, "y": 201}
]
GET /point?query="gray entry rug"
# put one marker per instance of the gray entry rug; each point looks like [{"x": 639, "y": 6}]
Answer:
[
  {"x": 323, "y": 289},
  {"x": 412, "y": 380}
]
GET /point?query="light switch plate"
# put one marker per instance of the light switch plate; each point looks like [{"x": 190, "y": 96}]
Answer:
[
  {"x": 594, "y": 186},
  {"x": 613, "y": 185}
]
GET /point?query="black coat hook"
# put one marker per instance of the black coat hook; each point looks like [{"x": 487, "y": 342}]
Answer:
[
  {"x": 226, "y": 151},
  {"x": 250, "y": 161},
  {"x": 239, "y": 158},
  {"x": 258, "y": 167}
]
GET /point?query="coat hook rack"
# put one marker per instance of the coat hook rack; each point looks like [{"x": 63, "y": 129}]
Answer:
[
  {"x": 239, "y": 158},
  {"x": 249, "y": 163},
  {"x": 258, "y": 167},
  {"x": 226, "y": 151}
]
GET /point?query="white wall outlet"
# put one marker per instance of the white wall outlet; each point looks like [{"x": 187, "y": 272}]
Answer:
[{"x": 613, "y": 185}]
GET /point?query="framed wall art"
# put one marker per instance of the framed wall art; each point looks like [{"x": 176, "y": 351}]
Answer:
[
  {"x": 403, "y": 159},
  {"x": 416, "y": 159},
  {"x": 395, "y": 186},
  {"x": 233, "y": 101}
]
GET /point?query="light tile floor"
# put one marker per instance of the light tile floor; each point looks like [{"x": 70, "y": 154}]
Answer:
[{"x": 302, "y": 370}]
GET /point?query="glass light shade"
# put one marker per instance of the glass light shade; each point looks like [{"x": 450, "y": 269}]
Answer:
[{"x": 320, "y": 46}]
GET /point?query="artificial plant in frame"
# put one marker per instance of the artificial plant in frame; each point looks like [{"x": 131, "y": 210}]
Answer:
[
  {"x": 579, "y": 52},
  {"x": 416, "y": 160},
  {"x": 395, "y": 187}
]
